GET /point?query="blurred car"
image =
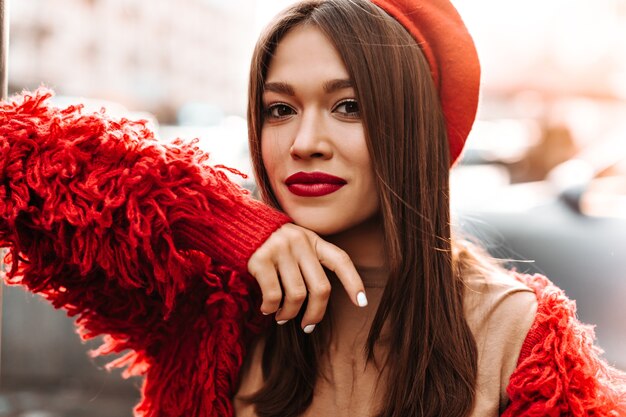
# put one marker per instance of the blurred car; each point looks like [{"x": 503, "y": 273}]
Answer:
[{"x": 570, "y": 226}]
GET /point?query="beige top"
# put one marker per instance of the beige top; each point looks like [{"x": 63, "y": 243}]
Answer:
[{"x": 499, "y": 313}]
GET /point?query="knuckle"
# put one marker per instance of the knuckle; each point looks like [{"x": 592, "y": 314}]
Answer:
[
  {"x": 295, "y": 233},
  {"x": 283, "y": 247},
  {"x": 297, "y": 296},
  {"x": 254, "y": 269},
  {"x": 252, "y": 262},
  {"x": 261, "y": 250},
  {"x": 342, "y": 257},
  {"x": 292, "y": 235},
  {"x": 272, "y": 296},
  {"x": 321, "y": 290},
  {"x": 280, "y": 245},
  {"x": 301, "y": 236}
]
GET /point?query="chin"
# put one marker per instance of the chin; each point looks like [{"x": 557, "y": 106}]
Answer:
[
  {"x": 322, "y": 229},
  {"x": 334, "y": 226}
]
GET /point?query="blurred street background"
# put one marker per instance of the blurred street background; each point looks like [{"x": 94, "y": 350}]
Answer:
[{"x": 542, "y": 183}]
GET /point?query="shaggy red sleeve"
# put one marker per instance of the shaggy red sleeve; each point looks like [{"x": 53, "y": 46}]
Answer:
[
  {"x": 560, "y": 372},
  {"x": 143, "y": 243}
]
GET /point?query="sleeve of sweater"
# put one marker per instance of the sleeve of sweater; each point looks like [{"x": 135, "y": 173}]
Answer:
[
  {"x": 560, "y": 372},
  {"x": 144, "y": 243}
]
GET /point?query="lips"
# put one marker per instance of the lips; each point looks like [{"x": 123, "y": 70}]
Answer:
[{"x": 313, "y": 184}]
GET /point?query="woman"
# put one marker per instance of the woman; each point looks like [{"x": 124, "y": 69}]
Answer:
[
  {"x": 356, "y": 112},
  {"x": 334, "y": 105}
]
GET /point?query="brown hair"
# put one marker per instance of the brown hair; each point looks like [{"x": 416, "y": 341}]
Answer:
[{"x": 432, "y": 359}]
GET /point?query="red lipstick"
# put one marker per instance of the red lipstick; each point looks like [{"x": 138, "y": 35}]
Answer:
[{"x": 313, "y": 184}]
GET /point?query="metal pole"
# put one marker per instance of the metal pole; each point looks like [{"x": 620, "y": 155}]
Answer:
[
  {"x": 4, "y": 84},
  {"x": 4, "y": 47}
]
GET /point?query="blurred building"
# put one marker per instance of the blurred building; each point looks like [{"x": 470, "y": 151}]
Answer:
[
  {"x": 160, "y": 54},
  {"x": 152, "y": 56}
]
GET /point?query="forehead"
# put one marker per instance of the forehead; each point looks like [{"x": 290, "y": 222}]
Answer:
[{"x": 305, "y": 52}]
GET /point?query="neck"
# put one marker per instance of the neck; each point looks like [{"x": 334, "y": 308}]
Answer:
[{"x": 363, "y": 243}]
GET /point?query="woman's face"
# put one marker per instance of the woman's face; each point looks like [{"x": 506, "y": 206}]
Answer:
[{"x": 312, "y": 140}]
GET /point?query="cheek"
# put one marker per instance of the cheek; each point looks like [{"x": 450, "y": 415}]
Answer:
[
  {"x": 353, "y": 145},
  {"x": 271, "y": 154},
  {"x": 363, "y": 163},
  {"x": 358, "y": 156},
  {"x": 265, "y": 156}
]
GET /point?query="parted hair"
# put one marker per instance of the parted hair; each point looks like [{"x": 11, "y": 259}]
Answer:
[{"x": 432, "y": 359}]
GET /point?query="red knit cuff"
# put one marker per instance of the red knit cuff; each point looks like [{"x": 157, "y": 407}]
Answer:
[{"x": 239, "y": 231}]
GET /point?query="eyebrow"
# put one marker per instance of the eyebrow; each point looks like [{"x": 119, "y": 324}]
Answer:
[
  {"x": 280, "y": 88},
  {"x": 335, "y": 85},
  {"x": 329, "y": 87}
]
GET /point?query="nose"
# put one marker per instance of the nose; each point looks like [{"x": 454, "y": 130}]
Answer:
[{"x": 312, "y": 140}]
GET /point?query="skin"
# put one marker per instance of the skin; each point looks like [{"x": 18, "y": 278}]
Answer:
[{"x": 312, "y": 123}]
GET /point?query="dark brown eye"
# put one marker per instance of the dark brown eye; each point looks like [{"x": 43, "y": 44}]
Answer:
[
  {"x": 349, "y": 108},
  {"x": 279, "y": 111}
]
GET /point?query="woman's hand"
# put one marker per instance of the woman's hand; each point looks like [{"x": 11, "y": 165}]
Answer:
[{"x": 288, "y": 268}]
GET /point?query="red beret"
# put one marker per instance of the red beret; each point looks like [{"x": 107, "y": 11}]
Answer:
[{"x": 451, "y": 54}]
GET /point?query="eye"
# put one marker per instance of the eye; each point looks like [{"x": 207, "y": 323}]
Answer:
[
  {"x": 348, "y": 108},
  {"x": 279, "y": 111}
]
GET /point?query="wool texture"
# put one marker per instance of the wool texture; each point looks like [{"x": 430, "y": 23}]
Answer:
[
  {"x": 560, "y": 372},
  {"x": 143, "y": 243}
]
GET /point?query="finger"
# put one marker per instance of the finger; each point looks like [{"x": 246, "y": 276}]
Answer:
[
  {"x": 265, "y": 274},
  {"x": 318, "y": 286},
  {"x": 294, "y": 288},
  {"x": 340, "y": 263}
]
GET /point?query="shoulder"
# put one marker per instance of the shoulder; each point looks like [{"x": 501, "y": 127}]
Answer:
[
  {"x": 500, "y": 310},
  {"x": 560, "y": 371},
  {"x": 499, "y": 300}
]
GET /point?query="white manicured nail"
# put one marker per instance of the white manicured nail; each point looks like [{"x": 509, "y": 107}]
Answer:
[
  {"x": 361, "y": 299},
  {"x": 309, "y": 328},
  {"x": 264, "y": 313},
  {"x": 281, "y": 322}
]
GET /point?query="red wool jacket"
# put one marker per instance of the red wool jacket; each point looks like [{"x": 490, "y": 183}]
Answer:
[{"x": 146, "y": 245}]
